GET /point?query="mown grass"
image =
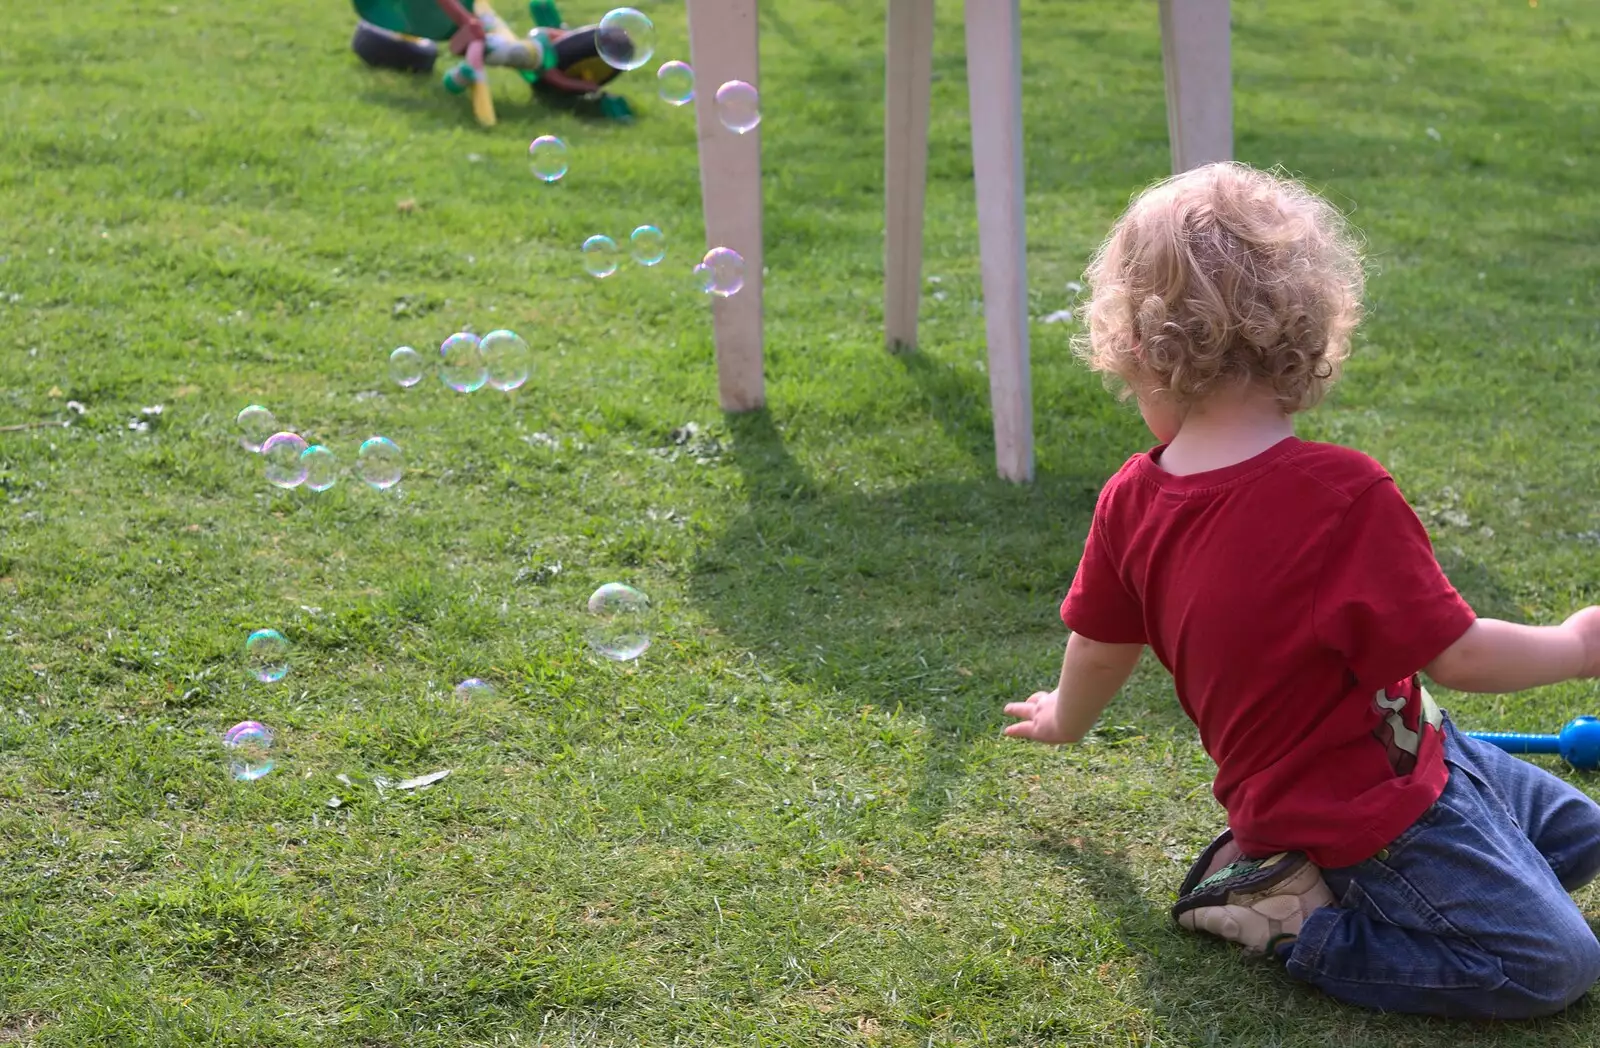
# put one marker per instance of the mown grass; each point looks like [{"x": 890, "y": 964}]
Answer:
[{"x": 793, "y": 821}]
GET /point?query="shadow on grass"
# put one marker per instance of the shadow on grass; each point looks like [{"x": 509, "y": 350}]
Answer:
[
  {"x": 938, "y": 598},
  {"x": 422, "y": 98},
  {"x": 1199, "y": 988}
]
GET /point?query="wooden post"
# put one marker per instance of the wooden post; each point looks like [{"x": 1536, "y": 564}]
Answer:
[
  {"x": 994, "y": 86},
  {"x": 724, "y": 44},
  {"x": 908, "y": 82},
  {"x": 1195, "y": 57}
]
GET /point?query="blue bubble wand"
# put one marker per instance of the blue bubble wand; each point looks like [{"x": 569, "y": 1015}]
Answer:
[{"x": 1578, "y": 743}]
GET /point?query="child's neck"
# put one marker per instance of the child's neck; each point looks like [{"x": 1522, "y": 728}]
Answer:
[{"x": 1226, "y": 430}]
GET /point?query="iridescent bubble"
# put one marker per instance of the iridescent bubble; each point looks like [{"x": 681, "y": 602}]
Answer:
[
  {"x": 380, "y": 463},
  {"x": 473, "y": 688},
  {"x": 623, "y": 630},
  {"x": 675, "y": 82},
  {"x": 256, "y": 424},
  {"x": 406, "y": 366},
  {"x": 322, "y": 467},
  {"x": 250, "y": 743},
  {"x": 547, "y": 156},
  {"x": 506, "y": 359},
  {"x": 600, "y": 256},
  {"x": 285, "y": 468},
  {"x": 461, "y": 362},
  {"x": 266, "y": 653},
  {"x": 649, "y": 245},
  {"x": 738, "y": 106},
  {"x": 626, "y": 38},
  {"x": 723, "y": 272}
]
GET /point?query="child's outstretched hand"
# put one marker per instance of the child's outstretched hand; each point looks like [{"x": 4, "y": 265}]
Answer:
[{"x": 1036, "y": 719}]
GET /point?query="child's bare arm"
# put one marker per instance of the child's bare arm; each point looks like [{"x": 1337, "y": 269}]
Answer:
[
  {"x": 1496, "y": 657},
  {"x": 1091, "y": 675}
]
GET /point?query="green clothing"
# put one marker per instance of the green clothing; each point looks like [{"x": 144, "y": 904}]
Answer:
[{"x": 423, "y": 18}]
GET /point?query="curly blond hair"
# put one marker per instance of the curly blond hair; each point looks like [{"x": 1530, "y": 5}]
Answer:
[{"x": 1219, "y": 276}]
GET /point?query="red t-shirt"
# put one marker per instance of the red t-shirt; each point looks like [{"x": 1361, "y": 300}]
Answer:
[{"x": 1293, "y": 597}]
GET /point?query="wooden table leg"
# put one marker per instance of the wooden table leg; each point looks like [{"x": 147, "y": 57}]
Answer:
[
  {"x": 994, "y": 85},
  {"x": 908, "y": 81},
  {"x": 724, "y": 44},
  {"x": 1195, "y": 55}
]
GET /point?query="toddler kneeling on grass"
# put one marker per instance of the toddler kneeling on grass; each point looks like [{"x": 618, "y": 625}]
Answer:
[{"x": 1291, "y": 591}]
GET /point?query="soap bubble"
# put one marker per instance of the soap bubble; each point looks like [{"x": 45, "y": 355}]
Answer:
[
  {"x": 738, "y": 106},
  {"x": 547, "y": 155},
  {"x": 285, "y": 468},
  {"x": 406, "y": 366},
  {"x": 623, "y": 632},
  {"x": 256, "y": 424},
  {"x": 723, "y": 272},
  {"x": 649, "y": 245},
  {"x": 600, "y": 256},
  {"x": 675, "y": 82},
  {"x": 322, "y": 467},
  {"x": 379, "y": 462},
  {"x": 505, "y": 359},
  {"x": 251, "y": 746},
  {"x": 266, "y": 653},
  {"x": 461, "y": 362},
  {"x": 626, "y": 38},
  {"x": 473, "y": 688}
]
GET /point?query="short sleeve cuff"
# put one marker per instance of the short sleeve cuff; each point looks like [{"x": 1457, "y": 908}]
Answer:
[{"x": 1079, "y": 620}]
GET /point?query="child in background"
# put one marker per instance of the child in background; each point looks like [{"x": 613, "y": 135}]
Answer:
[{"x": 1293, "y": 594}]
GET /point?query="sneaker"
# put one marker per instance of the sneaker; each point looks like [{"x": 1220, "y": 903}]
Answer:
[{"x": 1258, "y": 903}]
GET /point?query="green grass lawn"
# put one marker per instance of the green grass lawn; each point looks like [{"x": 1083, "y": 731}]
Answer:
[{"x": 793, "y": 821}]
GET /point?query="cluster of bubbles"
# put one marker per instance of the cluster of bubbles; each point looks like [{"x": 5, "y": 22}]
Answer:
[
  {"x": 468, "y": 362},
  {"x": 626, "y": 39},
  {"x": 720, "y": 272},
  {"x": 249, "y": 743},
  {"x": 601, "y": 256},
  {"x": 620, "y": 632},
  {"x": 292, "y": 461},
  {"x": 621, "y": 617}
]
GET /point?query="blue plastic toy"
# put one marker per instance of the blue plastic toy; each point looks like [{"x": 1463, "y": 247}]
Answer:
[{"x": 1578, "y": 744}]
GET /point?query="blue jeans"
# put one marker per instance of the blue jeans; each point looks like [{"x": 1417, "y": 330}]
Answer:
[{"x": 1466, "y": 913}]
